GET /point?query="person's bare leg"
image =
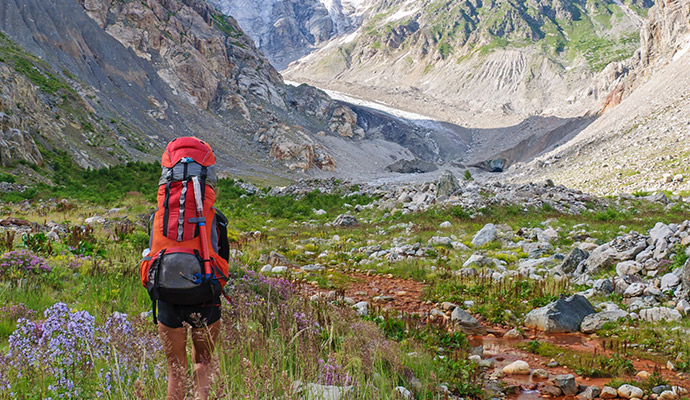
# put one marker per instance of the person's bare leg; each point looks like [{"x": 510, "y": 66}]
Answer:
[
  {"x": 175, "y": 345},
  {"x": 204, "y": 340}
]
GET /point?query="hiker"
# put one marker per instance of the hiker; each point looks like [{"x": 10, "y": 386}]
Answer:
[{"x": 186, "y": 265}]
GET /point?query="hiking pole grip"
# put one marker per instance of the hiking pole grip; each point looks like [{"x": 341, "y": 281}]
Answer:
[{"x": 202, "y": 225}]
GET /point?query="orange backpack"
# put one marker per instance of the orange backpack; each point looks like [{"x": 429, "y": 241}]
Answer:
[{"x": 182, "y": 265}]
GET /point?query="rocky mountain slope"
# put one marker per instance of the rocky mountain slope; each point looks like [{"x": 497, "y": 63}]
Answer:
[
  {"x": 112, "y": 81},
  {"x": 641, "y": 144},
  {"x": 286, "y": 30},
  {"x": 507, "y": 60}
]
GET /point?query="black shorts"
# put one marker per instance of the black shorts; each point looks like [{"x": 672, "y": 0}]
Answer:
[{"x": 198, "y": 316}]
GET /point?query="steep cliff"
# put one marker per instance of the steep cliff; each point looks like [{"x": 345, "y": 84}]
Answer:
[
  {"x": 111, "y": 81},
  {"x": 286, "y": 30}
]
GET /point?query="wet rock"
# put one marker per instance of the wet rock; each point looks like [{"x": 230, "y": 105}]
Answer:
[
  {"x": 563, "y": 315},
  {"x": 593, "y": 322},
  {"x": 518, "y": 367},
  {"x": 573, "y": 259},
  {"x": 466, "y": 322},
  {"x": 590, "y": 392},
  {"x": 566, "y": 382},
  {"x": 551, "y": 390},
  {"x": 607, "y": 392},
  {"x": 540, "y": 373},
  {"x": 629, "y": 391},
  {"x": 485, "y": 235},
  {"x": 447, "y": 184},
  {"x": 345, "y": 220},
  {"x": 511, "y": 389}
]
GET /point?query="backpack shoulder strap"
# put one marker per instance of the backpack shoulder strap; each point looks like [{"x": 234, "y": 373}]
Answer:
[{"x": 222, "y": 228}]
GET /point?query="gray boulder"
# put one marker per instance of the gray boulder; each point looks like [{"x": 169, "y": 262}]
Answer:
[
  {"x": 447, "y": 185},
  {"x": 655, "y": 314},
  {"x": 629, "y": 267},
  {"x": 669, "y": 281},
  {"x": 603, "y": 286},
  {"x": 594, "y": 322},
  {"x": 573, "y": 259},
  {"x": 563, "y": 315},
  {"x": 466, "y": 322},
  {"x": 660, "y": 232},
  {"x": 485, "y": 235},
  {"x": 345, "y": 220},
  {"x": 566, "y": 383},
  {"x": 685, "y": 276},
  {"x": 590, "y": 392}
]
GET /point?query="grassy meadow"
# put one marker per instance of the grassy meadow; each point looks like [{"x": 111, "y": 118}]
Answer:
[{"x": 75, "y": 321}]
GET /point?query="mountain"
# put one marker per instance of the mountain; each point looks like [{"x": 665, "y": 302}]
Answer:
[
  {"x": 286, "y": 30},
  {"x": 480, "y": 63},
  {"x": 640, "y": 144},
  {"x": 109, "y": 81}
]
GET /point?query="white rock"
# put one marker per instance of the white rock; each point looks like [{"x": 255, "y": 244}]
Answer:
[
  {"x": 629, "y": 391},
  {"x": 628, "y": 268},
  {"x": 403, "y": 392},
  {"x": 485, "y": 235},
  {"x": 266, "y": 268},
  {"x": 518, "y": 367},
  {"x": 445, "y": 224},
  {"x": 660, "y": 313},
  {"x": 279, "y": 269}
]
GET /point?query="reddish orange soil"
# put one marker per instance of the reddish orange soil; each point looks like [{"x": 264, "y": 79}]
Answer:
[{"x": 406, "y": 297}]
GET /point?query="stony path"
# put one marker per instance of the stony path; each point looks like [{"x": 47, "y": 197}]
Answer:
[{"x": 405, "y": 296}]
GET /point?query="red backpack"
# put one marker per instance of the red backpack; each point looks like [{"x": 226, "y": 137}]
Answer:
[{"x": 183, "y": 265}]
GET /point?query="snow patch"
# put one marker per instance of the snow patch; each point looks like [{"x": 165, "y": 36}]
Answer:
[{"x": 402, "y": 14}]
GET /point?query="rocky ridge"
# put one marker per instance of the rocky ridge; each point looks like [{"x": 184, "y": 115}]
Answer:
[
  {"x": 510, "y": 60},
  {"x": 286, "y": 30}
]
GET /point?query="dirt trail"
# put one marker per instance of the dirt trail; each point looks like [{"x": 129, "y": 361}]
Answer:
[{"x": 405, "y": 296}]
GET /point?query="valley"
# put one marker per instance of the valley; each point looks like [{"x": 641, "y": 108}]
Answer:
[{"x": 426, "y": 199}]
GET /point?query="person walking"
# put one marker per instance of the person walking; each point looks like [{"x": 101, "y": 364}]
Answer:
[{"x": 186, "y": 265}]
